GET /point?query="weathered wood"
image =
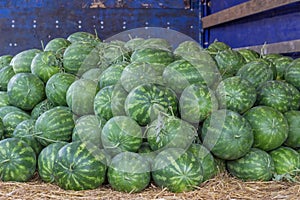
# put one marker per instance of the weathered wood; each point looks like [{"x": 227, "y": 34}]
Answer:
[
  {"x": 280, "y": 47},
  {"x": 243, "y": 10}
]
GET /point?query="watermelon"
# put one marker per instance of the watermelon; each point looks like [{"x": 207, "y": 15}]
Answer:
[
  {"x": 281, "y": 64},
  {"x": 177, "y": 170},
  {"x": 109, "y": 101},
  {"x": 146, "y": 152},
  {"x": 286, "y": 161},
  {"x": 138, "y": 73},
  {"x": 80, "y": 96},
  {"x": 155, "y": 43},
  {"x": 88, "y": 128},
  {"x": 7, "y": 109},
  {"x": 5, "y": 60},
  {"x": 272, "y": 56},
  {"x": 292, "y": 73},
  {"x": 121, "y": 133},
  {"x": 17, "y": 160},
  {"x": 11, "y": 120},
  {"x": 6, "y": 73},
  {"x": 79, "y": 166},
  {"x": 45, "y": 64},
  {"x": 46, "y": 161},
  {"x": 82, "y": 36},
  {"x": 279, "y": 95},
  {"x": 134, "y": 44},
  {"x": 236, "y": 94},
  {"x": 209, "y": 166},
  {"x": 112, "y": 74},
  {"x": 25, "y": 90},
  {"x": 229, "y": 62},
  {"x": 4, "y": 101},
  {"x": 249, "y": 54},
  {"x": 1, "y": 130},
  {"x": 145, "y": 102},
  {"x": 293, "y": 119},
  {"x": 227, "y": 134},
  {"x": 256, "y": 165},
  {"x": 57, "y": 86},
  {"x": 25, "y": 132},
  {"x": 129, "y": 172},
  {"x": 54, "y": 125},
  {"x": 58, "y": 46},
  {"x": 216, "y": 47},
  {"x": 80, "y": 57},
  {"x": 256, "y": 72},
  {"x": 113, "y": 52},
  {"x": 196, "y": 103},
  {"x": 187, "y": 47},
  {"x": 170, "y": 132},
  {"x": 270, "y": 127},
  {"x": 22, "y": 61},
  {"x": 40, "y": 108},
  {"x": 93, "y": 74}
]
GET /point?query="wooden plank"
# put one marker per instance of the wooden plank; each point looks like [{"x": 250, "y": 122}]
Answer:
[
  {"x": 279, "y": 47},
  {"x": 243, "y": 10}
]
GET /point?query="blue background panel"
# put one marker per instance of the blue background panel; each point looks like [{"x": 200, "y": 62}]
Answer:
[{"x": 216, "y": 6}]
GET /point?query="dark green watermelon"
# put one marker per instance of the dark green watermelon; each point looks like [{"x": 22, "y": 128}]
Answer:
[
  {"x": 80, "y": 96},
  {"x": 45, "y": 64},
  {"x": 93, "y": 74},
  {"x": 145, "y": 102},
  {"x": 7, "y": 109},
  {"x": 216, "y": 47},
  {"x": 112, "y": 75},
  {"x": 22, "y": 61},
  {"x": 227, "y": 134},
  {"x": 82, "y": 36},
  {"x": 256, "y": 165},
  {"x": 129, "y": 172},
  {"x": 54, "y": 125},
  {"x": 6, "y": 73},
  {"x": 236, "y": 94},
  {"x": 134, "y": 44},
  {"x": 79, "y": 166},
  {"x": 155, "y": 43},
  {"x": 187, "y": 47},
  {"x": 25, "y": 90},
  {"x": 109, "y": 101},
  {"x": 121, "y": 133},
  {"x": 46, "y": 160},
  {"x": 279, "y": 95},
  {"x": 41, "y": 107},
  {"x": 286, "y": 161},
  {"x": 170, "y": 132},
  {"x": 57, "y": 86},
  {"x": 270, "y": 127},
  {"x": 171, "y": 165},
  {"x": 4, "y": 101},
  {"x": 249, "y": 54},
  {"x": 197, "y": 102},
  {"x": 17, "y": 160},
  {"x": 281, "y": 64},
  {"x": 58, "y": 46},
  {"x": 293, "y": 119},
  {"x": 1, "y": 130},
  {"x": 5, "y": 60},
  {"x": 292, "y": 73},
  {"x": 113, "y": 52},
  {"x": 11, "y": 120}
]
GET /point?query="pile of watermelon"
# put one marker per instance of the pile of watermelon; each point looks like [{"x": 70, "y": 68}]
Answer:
[{"x": 82, "y": 113}]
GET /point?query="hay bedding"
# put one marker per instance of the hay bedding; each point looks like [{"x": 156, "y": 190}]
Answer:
[{"x": 221, "y": 187}]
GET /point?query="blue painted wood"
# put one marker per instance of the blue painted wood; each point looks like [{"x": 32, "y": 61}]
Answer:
[{"x": 216, "y": 6}]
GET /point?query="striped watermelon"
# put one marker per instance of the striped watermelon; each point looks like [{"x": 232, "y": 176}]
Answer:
[
  {"x": 292, "y": 73},
  {"x": 249, "y": 54},
  {"x": 11, "y": 120},
  {"x": 209, "y": 166},
  {"x": 236, "y": 94},
  {"x": 45, "y": 64},
  {"x": 170, "y": 132},
  {"x": 216, "y": 47},
  {"x": 93, "y": 74},
  {"x": 256, "y": 72},
  {"x": 40, "y": 108},
  {"x": 256, "y": 165},
  {"x": 112, "y": 75},
  {"x": 113, "y": 52},
  {"x": 281, "y": 64},
  {"x": 4, "y": 101},
  {"x": 196, "y": 103},
  {"x": 134, "y": 44},
  {"x": 187, "y": 47},
  {"x": 80, "y": 96},
  {"x": 286, "y": 161},
  {"x": 82, "y": 36},
  {"x": 129, "y": 172},
  {"x": 121, "y": 133},
  {"x": 1, "y": 130},
  {"x": 155, "y": 43},
  {"x": 145, "y": 102},
  {"x": 57, "y": 86},
  {"x": 79, "y": 166},
  {"x": 146, "y": 152},
  {"x": 46, "y": 161},
  {"x": 54, "y": 125},
  {"x": 227, "y": 134},
  {"x": 270, "y": 128},
  {"x": 7, "y": 109},
  {"x": 25, "y": 132},
  {"x": 22, "y": 61},
  {"x": 279, "y": 95},
  {"x": 58, "y": 46},
  {"x": 109, "y": 101},
  {"x": 6, "y": 73},
  {"x": 5, "y": 60},
  {"x": 171, "y": 165},
  {"x": 293, "y": 119},
  {"x": 17, "y": 160},
  {"x": 25, "y": 90}
]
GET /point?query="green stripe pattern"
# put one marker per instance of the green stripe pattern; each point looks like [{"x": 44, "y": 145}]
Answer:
[
  {"x": 292, "y": 73},
  {"x": 21, "y": 62},
  {"x": 6, "y": 73},
  {"x": 11, "y": 120}
]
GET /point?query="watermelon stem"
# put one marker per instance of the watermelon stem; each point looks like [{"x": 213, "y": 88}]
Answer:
[
  {"x": 118, "y": 144},
  {"x": 42, "y": 43},
  {"x": 5, "y": 161}
]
